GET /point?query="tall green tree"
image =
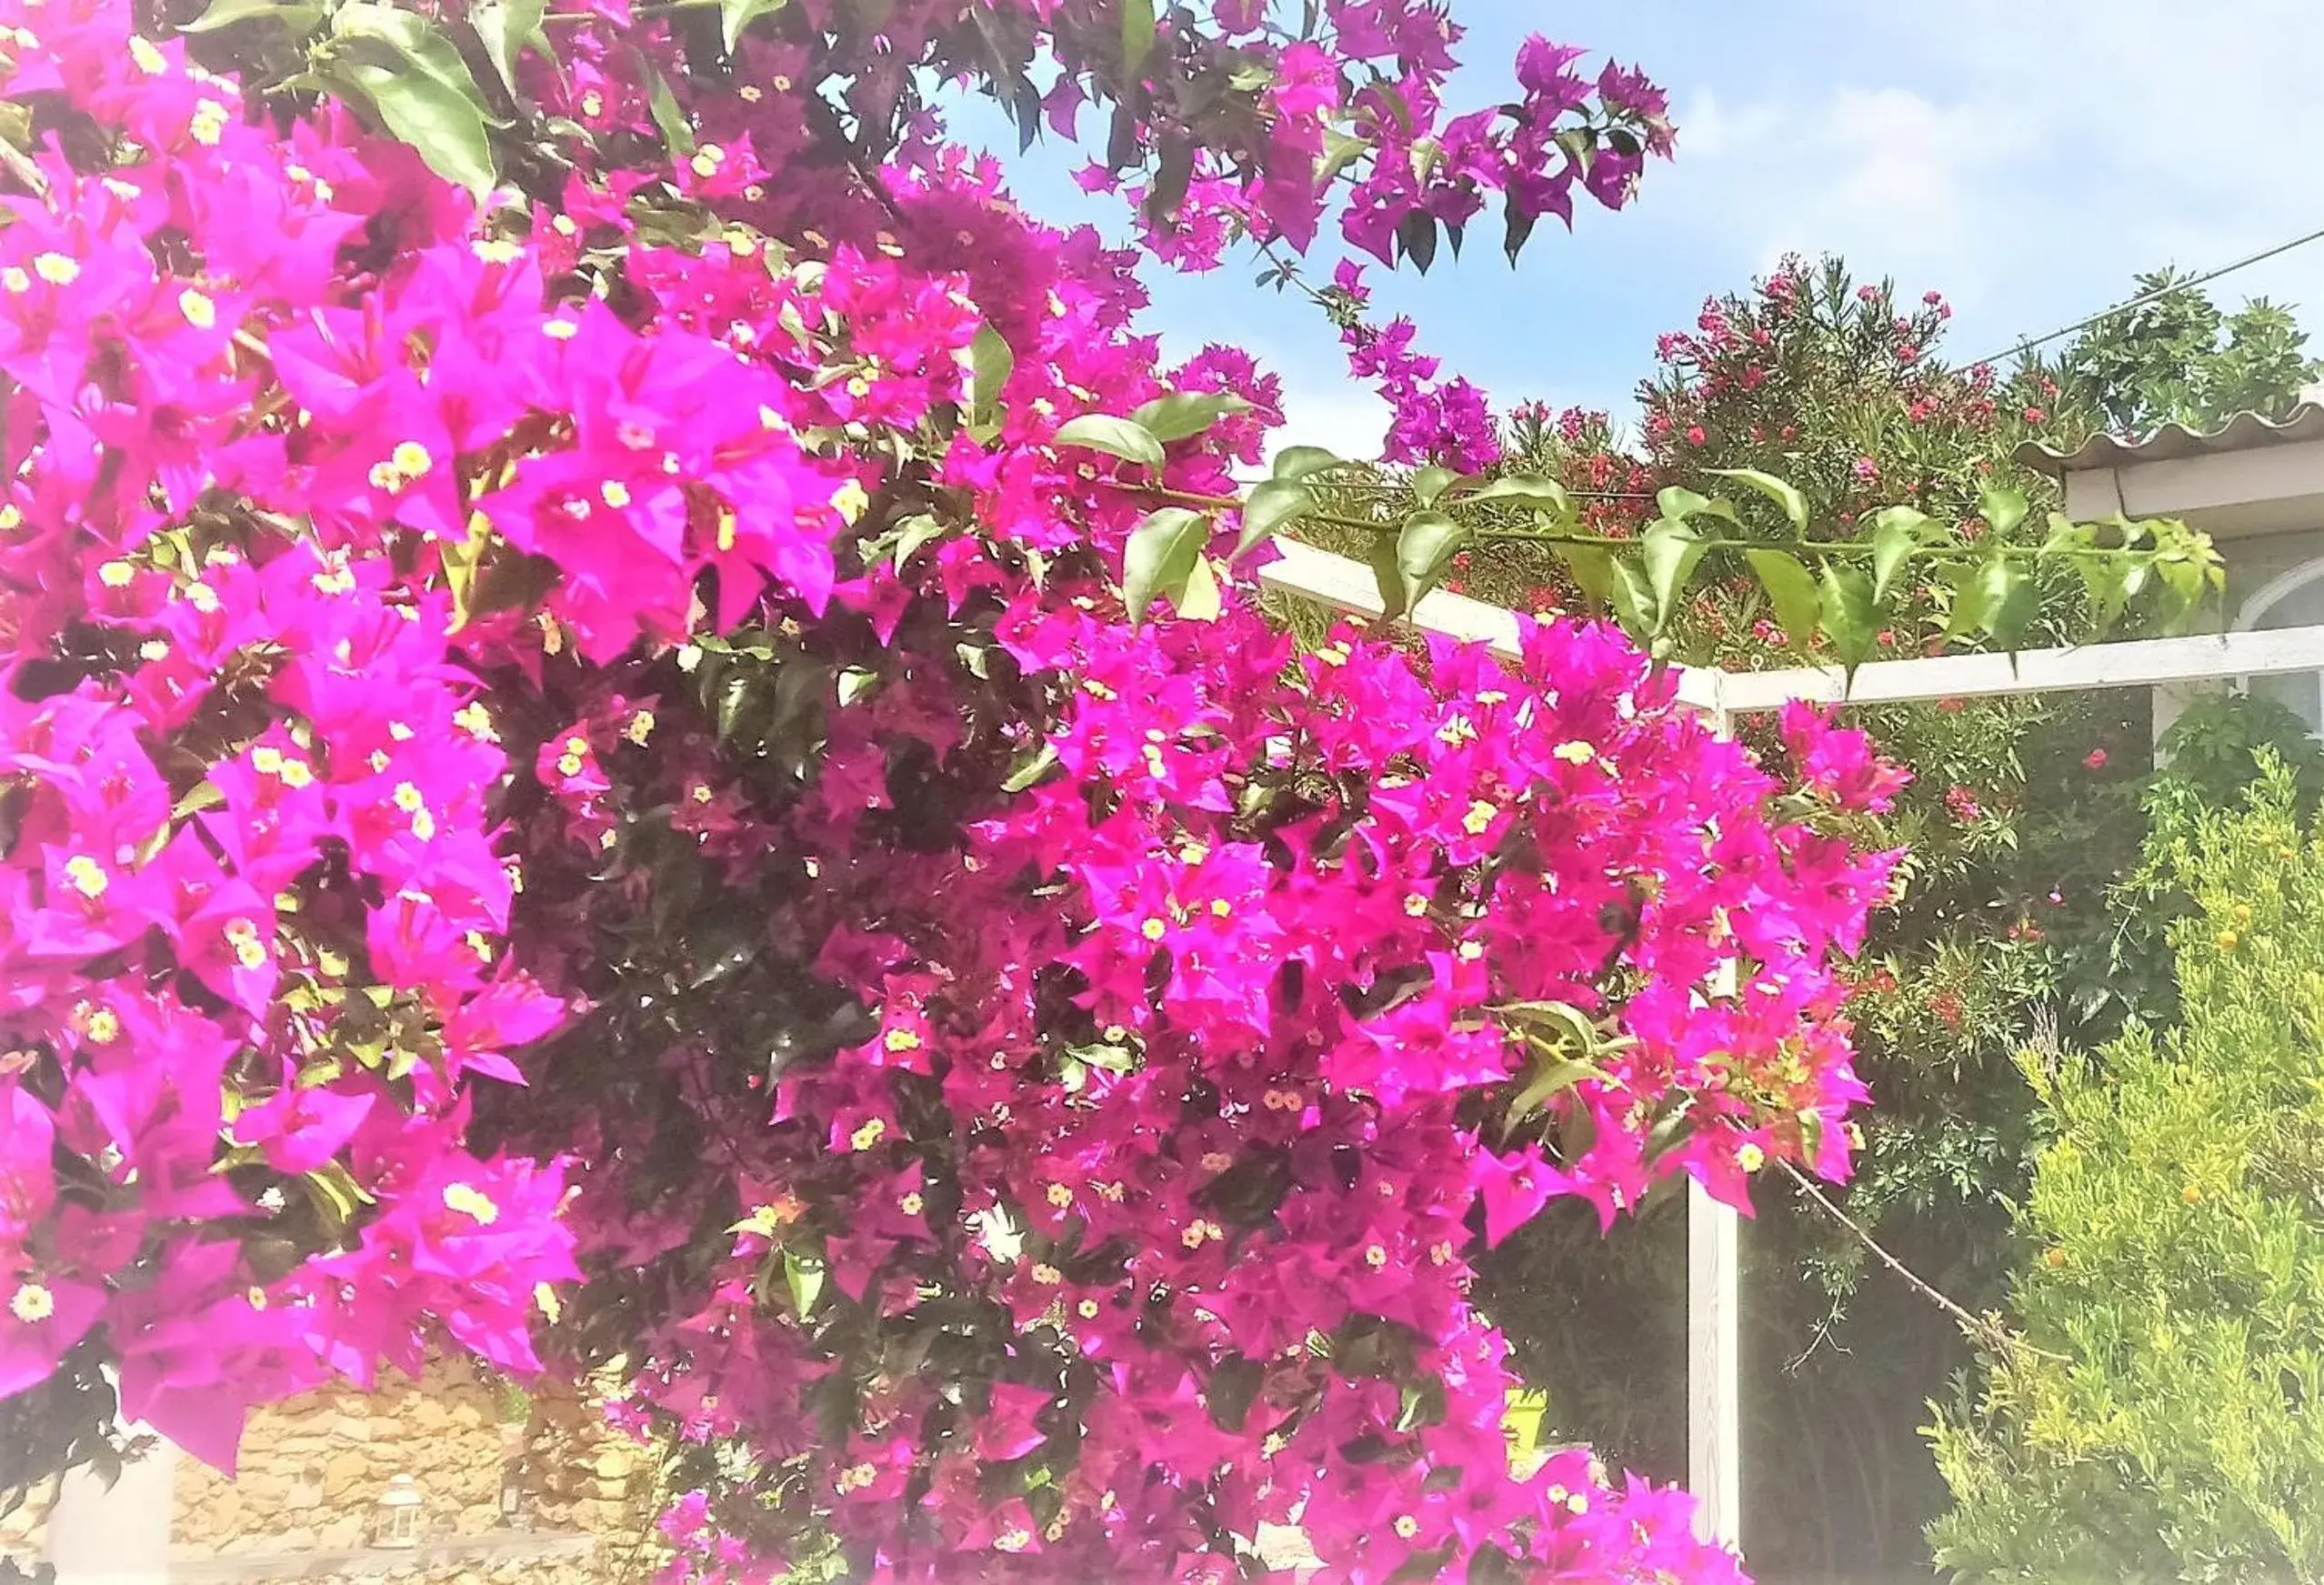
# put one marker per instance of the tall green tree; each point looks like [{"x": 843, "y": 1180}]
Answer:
[{"x": 2180, "y": 358}]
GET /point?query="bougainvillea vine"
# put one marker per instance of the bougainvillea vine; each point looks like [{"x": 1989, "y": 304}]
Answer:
[{"x": 576, "y": 784}]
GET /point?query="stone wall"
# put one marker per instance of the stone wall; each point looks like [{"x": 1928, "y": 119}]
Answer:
[{"x": 313, "y": 1468}]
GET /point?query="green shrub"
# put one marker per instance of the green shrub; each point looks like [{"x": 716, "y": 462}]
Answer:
[{"x": 2163, "y": 1420}]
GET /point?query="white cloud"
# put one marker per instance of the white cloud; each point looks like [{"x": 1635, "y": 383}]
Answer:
[
  {"x": 2026, "y": 159},
  {"x": 1345, "y": 418}
]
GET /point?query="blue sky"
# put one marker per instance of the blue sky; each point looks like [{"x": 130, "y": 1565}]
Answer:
[{"x": 2023, "y": 156}]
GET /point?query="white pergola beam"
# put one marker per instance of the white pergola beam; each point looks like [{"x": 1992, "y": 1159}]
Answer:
[
  {"x": 2130, "y": 663},
  {"x": 1714, "y": 1400},
  {"x": 1346, "y": 585}
]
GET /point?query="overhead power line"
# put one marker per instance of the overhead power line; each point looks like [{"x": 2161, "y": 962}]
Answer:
[{"x": 2154, "y": 297}]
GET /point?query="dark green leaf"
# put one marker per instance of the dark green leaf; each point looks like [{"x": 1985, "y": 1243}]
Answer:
[
  {"x": 1417, "y": 235},
  {"x": 1269, "y": 506},
  {"x": 678, "y": 133},
  {"x": 1517, "y": 229},
  {"x": 1388, "y": 574},
  {"x": 1122, "y": 437},
  {"x": 1184, "y": 413},
  {"x": 1794, "y": 503},
  {"x": 1234, "y": 1384},
  {"x": 1161, "y": 552},
  {"x": 1791, "y": 590},
  {"x": 1423, "y": 550},
  {"x": 1173, "y": 173}
]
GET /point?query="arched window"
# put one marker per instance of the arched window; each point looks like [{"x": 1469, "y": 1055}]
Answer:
[{"x": 2292, "y": 599}]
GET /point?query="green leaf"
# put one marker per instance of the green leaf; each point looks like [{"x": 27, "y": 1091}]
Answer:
[
  {"x": 1528, "y": 490},
  {"x": 1032, "y": 770},
  {"x": 1545, "y": 1081},
  {"x": 1678, "y": 505},
  {"x": 2010, "y": 600},
  {"x": 297, "y": 17},
  {"x": 1184, "y": 413},
  {"x": 1234, "y": 1384},
  {"x": 1197, "y": 601},
  {"x": 1429, "y": 483},
  {"x": 407, "y": 41},
  {"x": 1339, "y": 152},
  {"x": 1423, "y": 550},
  {"x": 1972, "y": 600},
  {"x": 1849, "y": 619},
  {"x": 1669, "y": 549},
  {"x": 803, "y": 1275},
  {"x": 1297, "y": 462},
  {"x": 1388, "y": 574},
  {"x": 1897, "y": 533},
  {"x": 506, "y": 29},
  {"x": 678, "y": 133},
  {"x": 1791, "y": 590},
  {"x": 1161, "y": 552},
  {"x": 991, "y": 361},
  {"x": 442, "y": 123},
  {"x": 2002, "y": 510},
  {"x": 1123, "y": 437},
  {"x": 1137, "y": 34},
  {"x": 1631, "y": 598},
  {"x": 1269, "y": 506},
  {"x": 912, "y": 534},
  {"x": 734, "y": 15},
  {"x": 1592, "y": 568},
  {"x": 1794, "y": 503},
  {"x": 1173, "y": 173}
]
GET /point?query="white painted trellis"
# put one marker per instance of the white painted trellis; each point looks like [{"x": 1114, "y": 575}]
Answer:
[{"x": 1713, "y": 1421}]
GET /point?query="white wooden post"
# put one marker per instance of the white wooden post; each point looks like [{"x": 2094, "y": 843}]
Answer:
[
  {"x": 116, "y": 1536},
  {"x": 1714, "y": 1367},
  {"x": 1713, "y": 1315}
]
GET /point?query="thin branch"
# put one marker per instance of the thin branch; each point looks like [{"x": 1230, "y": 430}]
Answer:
[{"x": 1979, "y": 1327}]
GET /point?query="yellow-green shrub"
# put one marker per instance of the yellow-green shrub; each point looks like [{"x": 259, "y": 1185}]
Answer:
[{"x": 2163, "y": 1420}]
